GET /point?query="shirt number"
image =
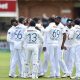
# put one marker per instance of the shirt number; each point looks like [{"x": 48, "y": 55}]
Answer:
[
  {"x": 18, "y": 34},
  {"x": 32, "y": 37},
  {"x": 78, "y": 34},
  {"x": 55, "y": 34}
]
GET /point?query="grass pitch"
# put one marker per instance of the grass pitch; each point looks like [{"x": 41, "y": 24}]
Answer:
[{"x": 4, "y": 68}]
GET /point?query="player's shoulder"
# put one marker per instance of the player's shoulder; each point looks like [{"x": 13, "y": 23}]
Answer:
[
  {"x": 11, "y": 28},
  {"x": 21, "y": 26},
  {"x": 61, "y": 25},
  {"x": 77, "y": 26},
  {"x": 52, "y": 24},
  {"x": 72, "y": 30}
]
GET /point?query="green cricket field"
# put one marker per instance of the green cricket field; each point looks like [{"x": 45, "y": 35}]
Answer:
[{"x": 4, "y": 68}]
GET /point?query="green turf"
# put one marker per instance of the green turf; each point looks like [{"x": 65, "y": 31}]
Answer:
[
  {"x": 4, "y": 68},
  {"x": 3, "y": 37}
]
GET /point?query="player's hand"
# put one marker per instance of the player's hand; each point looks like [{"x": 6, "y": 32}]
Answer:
[
  {"x": 44, "y": 49},
  {"x": 63, "y": 47}
]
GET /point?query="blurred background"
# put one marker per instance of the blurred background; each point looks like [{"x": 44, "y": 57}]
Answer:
[{"x": 34, "y": 8}]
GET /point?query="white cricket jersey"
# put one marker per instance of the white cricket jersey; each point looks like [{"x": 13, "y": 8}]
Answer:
[
  {"x": 68, "y": 41},
  {"x": 60, "y": 25},
  {"x": 18, "y": 35},
  {"x": 10, "y": 37},
  {"x": 75, "y": 35},
  {"x": 54, "y": 36},
  {"x": 32, "y": 37}
]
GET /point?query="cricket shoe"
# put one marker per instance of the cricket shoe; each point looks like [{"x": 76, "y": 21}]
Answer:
[
  {"x": 57, "y": 76},
  {"x": 41, "y": 75},
  {"x": 66, "y": 75},
  {"x": 34, "y": 77},
  {"x": 13, "y": 76},
  {"x": 75, "y": 77}
]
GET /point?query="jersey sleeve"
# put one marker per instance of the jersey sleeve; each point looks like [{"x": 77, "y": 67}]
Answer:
[
  {"x": 10, "y": 36},
  {"x": 71, "y": 34},
  {"x": 40, "y": 36},
  {"x": 64, "y": 30},
  {"x": 47, "y": 29},
  {"x": 44, "y": 40}
]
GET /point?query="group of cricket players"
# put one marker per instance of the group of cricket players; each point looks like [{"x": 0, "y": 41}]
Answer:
[{"x": 59, "y": 44}]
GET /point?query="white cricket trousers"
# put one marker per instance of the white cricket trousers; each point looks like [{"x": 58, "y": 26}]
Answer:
[
  {"x": 40, "y": 61},
  {"x": 32, "y": 53},
  {"x": 51, "y": 58},
  {"x": 77, "y": 61},
  {"x": 69, "y": 56},
  {"x": 59, "y": 62},
  {"x": 16, "y": 59},
  {"x": 46, "y": 60}
]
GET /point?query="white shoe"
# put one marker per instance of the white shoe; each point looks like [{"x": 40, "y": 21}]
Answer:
[
  {"x": 75, "y": 77},
  {"x": 58, "y": 77},
  {"x": 29, "y": 76},
  {"x": 12, "y": 76},
  {"x": 34, "y": 76},
  {"x": 66, "y": 75},
  {"x": 40, "y": 74}
]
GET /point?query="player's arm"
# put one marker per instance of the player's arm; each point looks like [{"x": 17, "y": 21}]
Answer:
[
  {"x": 71, "y": 34},
  {"x": 40, "y": 36},
  {"x": 64, "y": 39},
  {"x": 9, "y": 36},
  {"x": 24, "y": 37},
  {"x": 44, "y": 42}
]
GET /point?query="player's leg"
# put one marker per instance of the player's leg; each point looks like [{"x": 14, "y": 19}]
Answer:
[
  {"x": 52, "y": 61},
  {"x": 35, "y": 63},
  {"x": 67, "y": 57},
  {"x": 46, "y": 59},
  {"x": 21, "y": 58},
  {"x": 13, "y": 63},
  {"x": 26, "y": 67},
  {"x": 63, "y": 65},
  {"x": 57, "y": 66},
  {"x": 78, "y": 61},
  {"x": 71, "y": 60},
  {"x": 41, "y": 72}
]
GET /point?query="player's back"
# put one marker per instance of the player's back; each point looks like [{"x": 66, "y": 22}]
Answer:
[
  {"x": 10, "y": 37},
  {"x": 54, "y": 36},
  {"x": 18, "y": 35},
  {"x": 68, "y": 41},
  {"x": 32, "y": 37},
  {"x": 77, "y": 34}
]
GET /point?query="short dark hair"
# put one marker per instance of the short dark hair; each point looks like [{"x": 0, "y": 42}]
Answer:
[
  {"x": 51, "y": 19},
  {"x": 58, "y": 17},
  {"x": 32, "y": 23},
  {"x": 36, "y": 19},
  {"x": 69, "y": 20},
  {"x": 77, "y": 21},
  {"x": 13, "y": 20},
  {"x": 21, "y": 19}
]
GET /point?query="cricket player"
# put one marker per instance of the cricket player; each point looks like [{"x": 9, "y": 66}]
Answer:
[
  {"x": 60, "y": 62},
  {"x": 46, "y": 54},
  {"x": 69, "y": 53},
  {"x": 39, "y": 26},
  {"x": 18, "y": 47},
  {"x": 75, "y": 36},
  {"x": 10, "y": 39},
  {"x": 31, "y": 43}
]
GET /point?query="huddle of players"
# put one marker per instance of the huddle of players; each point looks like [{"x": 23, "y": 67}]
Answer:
[{"x": 28, "y": 39}]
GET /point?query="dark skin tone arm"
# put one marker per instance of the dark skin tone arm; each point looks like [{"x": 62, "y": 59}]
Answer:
[{"x": 64, "y": 39}]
